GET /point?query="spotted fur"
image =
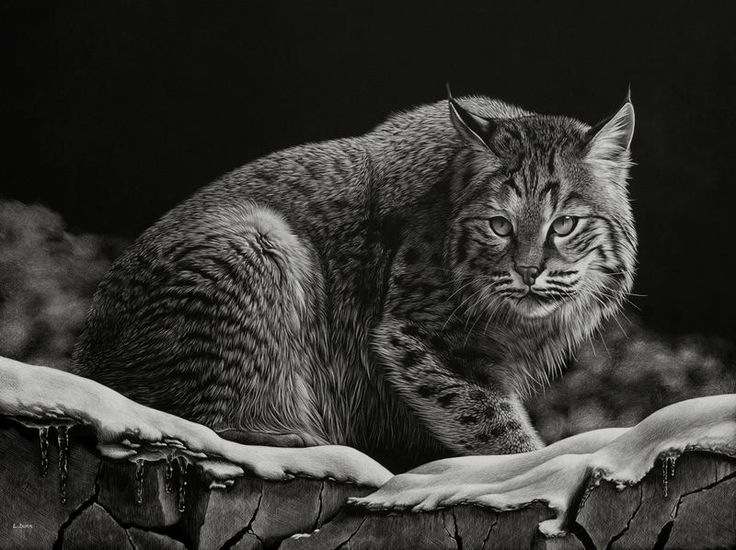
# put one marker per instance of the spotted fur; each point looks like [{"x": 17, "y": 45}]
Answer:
[{"x": 354, "y": 292}]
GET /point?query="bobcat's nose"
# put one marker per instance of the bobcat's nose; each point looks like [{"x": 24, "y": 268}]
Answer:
[{"x": 529, "y": 273}]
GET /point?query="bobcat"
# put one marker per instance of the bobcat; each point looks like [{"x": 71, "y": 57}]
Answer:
[{"x": 399, "y": 292}]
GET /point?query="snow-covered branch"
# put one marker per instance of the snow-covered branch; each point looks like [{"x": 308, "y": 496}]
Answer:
[
  {"x": 582, "y": 483},
  {"x": 557, "y": 474},
  {"x": 41, "y": 396}
]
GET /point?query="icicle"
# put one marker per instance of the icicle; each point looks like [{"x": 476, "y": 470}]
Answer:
[
  {"x": 182, "y": 462},
  {"x": 673, "y": 461},
  {"x": 139, "y": 473},
  {"x": 62, "y": 435},
  {"x": 665, "y": 479},
  {"x": 43, "y": 439},
  {"x": 593, "y": 482},
  {"x": 586, "y": 494},
  {"x": 169, "y": 474},
  {"x": 668, "y": 471}
]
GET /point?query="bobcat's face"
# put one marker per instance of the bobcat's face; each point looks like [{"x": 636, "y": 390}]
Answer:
[{"x": 542, "y": 225}]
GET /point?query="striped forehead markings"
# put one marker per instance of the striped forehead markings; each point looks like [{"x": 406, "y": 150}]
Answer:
[
  {"x": 512, "y": 184},
  {"x": 551, "y": 161},
  {"x": 553, "y": 188}
]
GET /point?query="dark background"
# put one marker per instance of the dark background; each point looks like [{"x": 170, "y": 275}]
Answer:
[{"x": 114, "y": 111}]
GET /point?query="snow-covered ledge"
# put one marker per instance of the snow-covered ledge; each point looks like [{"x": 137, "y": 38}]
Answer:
[{"x": 85, "y": 467}]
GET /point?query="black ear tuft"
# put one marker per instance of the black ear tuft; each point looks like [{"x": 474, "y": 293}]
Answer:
[
  {"x": 613, "y": 134},
  {"x": 476, "y": 129}
]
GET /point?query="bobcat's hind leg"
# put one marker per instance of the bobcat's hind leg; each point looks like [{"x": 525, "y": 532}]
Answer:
[
  {"x": 221, "y": 326},
  {"x": 273, "y": 285}
]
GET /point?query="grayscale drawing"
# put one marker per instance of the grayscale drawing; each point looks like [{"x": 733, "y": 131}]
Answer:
[{"x": 450, "y": 321}]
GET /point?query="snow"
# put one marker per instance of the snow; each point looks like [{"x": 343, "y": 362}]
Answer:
[
  {"x": 558, "y": 473},
  {"x": 41, "y": 397}
]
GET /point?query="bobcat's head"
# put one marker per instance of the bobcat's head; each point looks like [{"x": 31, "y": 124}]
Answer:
[{"x": 542, "y": 229}]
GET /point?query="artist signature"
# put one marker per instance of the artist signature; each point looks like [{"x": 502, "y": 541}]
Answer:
[{"x": 22, "y": 526}]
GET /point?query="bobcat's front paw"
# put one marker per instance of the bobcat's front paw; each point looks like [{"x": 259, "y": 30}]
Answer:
[{"x": 510, "y": 442}]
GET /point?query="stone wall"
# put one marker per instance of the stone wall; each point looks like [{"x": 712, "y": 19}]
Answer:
[{"x": 124, "y": 505}]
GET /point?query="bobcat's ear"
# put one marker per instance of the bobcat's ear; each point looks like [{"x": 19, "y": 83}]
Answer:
[
  {"x": 611, "y": 138},
  {"x": 475, "y": 129}
]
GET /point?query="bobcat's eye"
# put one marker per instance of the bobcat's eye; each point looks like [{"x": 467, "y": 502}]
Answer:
[
  {"x": 564, "y": 225},
  {"x": 501, "y": 226}
]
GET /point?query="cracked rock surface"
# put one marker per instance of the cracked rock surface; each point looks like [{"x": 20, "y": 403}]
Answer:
[
  {"x": 102, "y": 509},
  {"x": 644, "y": 516}
]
